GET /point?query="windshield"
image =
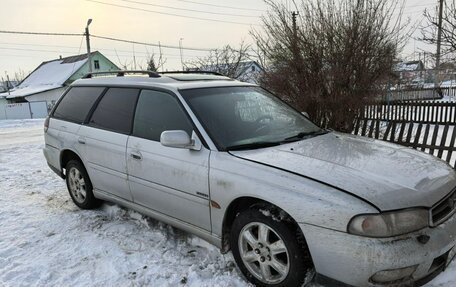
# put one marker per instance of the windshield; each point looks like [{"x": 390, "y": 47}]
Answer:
[{"x": 247, "y": 117}]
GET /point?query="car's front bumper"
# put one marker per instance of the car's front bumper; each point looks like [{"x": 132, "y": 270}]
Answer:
[{"x": 353, "y": 260}]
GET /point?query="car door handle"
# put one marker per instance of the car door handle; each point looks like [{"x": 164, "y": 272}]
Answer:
[
  {"x": 136, "y": 155},
  {"x": 81, "y": 140}
]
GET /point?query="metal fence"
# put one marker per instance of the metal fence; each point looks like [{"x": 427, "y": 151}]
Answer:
[{"x": 32, "y": 110}]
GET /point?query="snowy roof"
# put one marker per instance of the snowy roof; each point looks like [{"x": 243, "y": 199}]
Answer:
[
  {"x": 448, "y": 84},
  {"x": 48, "y": 76}
]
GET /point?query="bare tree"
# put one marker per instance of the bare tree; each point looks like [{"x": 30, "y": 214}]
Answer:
[
  {"x": 334, "y": 58},
  {"x": 19, "y": 76},
  {"x": 153, "y": 62},
  {"x": 429, "y": 29},
  {"x": 227, "y": 61},
  {"x": 125, "y": 65},
  {"x": 156, "y": 65}
]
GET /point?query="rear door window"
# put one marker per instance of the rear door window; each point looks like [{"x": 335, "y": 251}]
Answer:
[
  {"x": 115, "y": 110},
  {"x": 77, "y": 103}
]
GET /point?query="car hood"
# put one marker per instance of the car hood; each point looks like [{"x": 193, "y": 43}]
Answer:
[{"x": 388, "y": 176}]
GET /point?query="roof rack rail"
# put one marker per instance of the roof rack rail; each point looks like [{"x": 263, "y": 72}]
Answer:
[
  {"x": 192, "y": 72},
  {"x": 121, "y": 73}
]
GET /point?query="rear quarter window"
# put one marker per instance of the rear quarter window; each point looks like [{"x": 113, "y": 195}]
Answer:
[{"x": 77, "y": 103}]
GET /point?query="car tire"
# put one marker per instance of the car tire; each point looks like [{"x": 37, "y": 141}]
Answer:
[
  {"x": 279, "y": 258},
  {"x": 79, "y": 186}
]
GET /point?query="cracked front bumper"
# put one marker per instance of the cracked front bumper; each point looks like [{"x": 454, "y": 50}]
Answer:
[{"x": 353, "y": 260}]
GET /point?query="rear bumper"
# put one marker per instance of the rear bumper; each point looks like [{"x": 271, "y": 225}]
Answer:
[
  {"x": 352, "y": 260},
  {"x": 52, "y": 156}
]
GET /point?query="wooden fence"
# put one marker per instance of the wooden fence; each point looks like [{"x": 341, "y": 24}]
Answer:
[{"x": 426, "y": 126}]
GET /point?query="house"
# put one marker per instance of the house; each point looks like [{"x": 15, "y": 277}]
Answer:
[
  {"x": 248, "y": 71},
  {"x": 48, "y": 81},
  {"x": 411, "y": 73},
  {"x": 447, "y": 72}
]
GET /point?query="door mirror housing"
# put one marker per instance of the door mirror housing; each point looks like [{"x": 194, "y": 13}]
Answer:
[
  {"x": 305, "y": 114},
  {"x": 180, "y": 139}
]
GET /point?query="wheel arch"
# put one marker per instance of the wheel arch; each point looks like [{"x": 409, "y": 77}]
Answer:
[
  {"x": 67, "y": 155},
  {"x": 242, "y": 203}
]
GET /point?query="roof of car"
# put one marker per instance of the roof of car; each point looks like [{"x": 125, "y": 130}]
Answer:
[{"x": 173, "y": 81}]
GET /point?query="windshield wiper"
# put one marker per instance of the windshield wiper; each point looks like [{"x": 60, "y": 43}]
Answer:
[
  {"x": 302, "y": 135},
  {"x": 254, "y": 145}
]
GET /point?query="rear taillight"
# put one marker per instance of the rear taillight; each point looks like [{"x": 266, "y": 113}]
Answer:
[{"x": 46, "y": 124}]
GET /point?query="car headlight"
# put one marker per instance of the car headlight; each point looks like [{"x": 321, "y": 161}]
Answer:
[{"x": 389, "y": 224}]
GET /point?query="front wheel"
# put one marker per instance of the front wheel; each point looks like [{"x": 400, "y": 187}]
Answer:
[{"x": 268, "y": 251}]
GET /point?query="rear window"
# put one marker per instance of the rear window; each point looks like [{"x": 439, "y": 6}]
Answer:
[
  {"x": 115, "y": 110},
  {"x": 76, "y": 104}
]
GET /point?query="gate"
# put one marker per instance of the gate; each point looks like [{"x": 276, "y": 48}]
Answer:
[{"x": 38, "y": 110}]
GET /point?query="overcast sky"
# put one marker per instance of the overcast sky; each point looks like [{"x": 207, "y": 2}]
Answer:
[{"x": 26, "y": 52}]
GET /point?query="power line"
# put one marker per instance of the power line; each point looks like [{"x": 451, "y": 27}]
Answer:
[
  {"x": 38, "y": 45},
  {"x": 190, "y": 10},
  {"x": 150, "y": 44},
  {"x": 99, "y": 48},
  {"x": 109, "y": 38},
  {"x": 74, "y": 52},
  {"x": 172, "y": 14},
  {"x": 127, "y": 53},
  {"x": 40, "y": 33},
  {"x": 220, "y": 6},
  {"x": 37, "y": 50}
]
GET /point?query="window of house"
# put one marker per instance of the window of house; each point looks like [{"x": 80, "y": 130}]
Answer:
[
  {"x": 115, "y": 110},
  {"x": 157, "y": 112},
  {"x": 96, "y": 63},
  {"x": 253, "y": 68}
]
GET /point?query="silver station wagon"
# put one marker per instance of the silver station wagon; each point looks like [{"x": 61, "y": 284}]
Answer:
[{"x": 233, "y": 164}]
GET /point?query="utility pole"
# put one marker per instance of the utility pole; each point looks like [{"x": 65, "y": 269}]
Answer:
[
  {"x": 424, "y": 58},
  {"x": 439, "y": 40},
  {"x": 294, "y": 14},
  {"x": 160, "y": 58},
  {"x": 181, "y": 53},
  {"x": 87, "y": 34},
  {"x": 8, "y": 84}
]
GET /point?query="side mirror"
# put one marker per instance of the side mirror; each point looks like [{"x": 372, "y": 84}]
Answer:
[
  {"x": 305, "y": 114},
  {"x": 179, "y": 139}
]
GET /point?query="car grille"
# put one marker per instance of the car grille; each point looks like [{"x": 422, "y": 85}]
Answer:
[{"x": 444, "y": 209}]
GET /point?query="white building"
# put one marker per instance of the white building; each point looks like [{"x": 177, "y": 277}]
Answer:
[{"x": 48, "y": 81}]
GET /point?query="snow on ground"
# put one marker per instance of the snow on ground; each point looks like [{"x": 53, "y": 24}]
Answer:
[{"x": 45, "y": 240}]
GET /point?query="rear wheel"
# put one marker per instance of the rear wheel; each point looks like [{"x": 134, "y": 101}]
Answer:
[
  {"x": 270, "y": 252},
  {"x": 80, "y": 186}
]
